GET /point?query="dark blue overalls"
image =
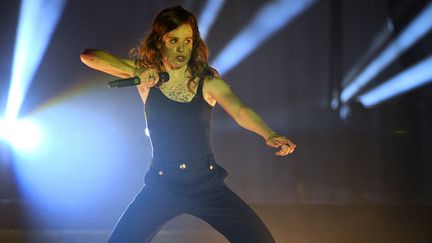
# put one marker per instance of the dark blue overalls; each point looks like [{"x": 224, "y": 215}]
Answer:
[{"x": 183, "y": 177}]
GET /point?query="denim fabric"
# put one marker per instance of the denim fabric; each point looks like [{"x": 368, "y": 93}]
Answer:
[{"x": 198, "y": 190}]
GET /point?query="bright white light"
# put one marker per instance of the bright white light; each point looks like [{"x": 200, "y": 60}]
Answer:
[
  {"x": 419, "y": 27},
  {"x": 268, "y": 21},
  {"x": 3, "y": 130},
  {"x": 37, "y": 21},
  {"x": 82, "y": 157},
  {"x": 208, "y": 16},
  {"x": 24, "y": 135},
  {"x": 409, "y": 79}
]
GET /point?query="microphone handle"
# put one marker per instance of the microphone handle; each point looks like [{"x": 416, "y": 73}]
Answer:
[
  {"x": 163, "y": 77},
  {"x": 124, "y": 82}
]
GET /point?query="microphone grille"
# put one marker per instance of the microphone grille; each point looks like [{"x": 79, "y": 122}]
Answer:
[{"x": 164, "y": 76}]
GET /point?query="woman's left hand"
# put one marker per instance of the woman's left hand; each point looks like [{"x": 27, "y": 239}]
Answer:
[{"x": 276, "y": 141}]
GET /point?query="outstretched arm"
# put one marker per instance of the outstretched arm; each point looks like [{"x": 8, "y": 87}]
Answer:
[
  {"x": 245, "y": 116},
  {"x": 107, "y": 63},
  {"x": 123, "y": 68}
]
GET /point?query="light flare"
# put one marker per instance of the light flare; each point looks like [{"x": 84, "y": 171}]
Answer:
[
  {"x": 37, "y": 21},
  {"x": 417, "y": 29},
  {"x": 268, "y": 21}
]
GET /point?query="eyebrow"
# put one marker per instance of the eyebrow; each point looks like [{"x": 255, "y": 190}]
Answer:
[{"x": 176, "y": 37}]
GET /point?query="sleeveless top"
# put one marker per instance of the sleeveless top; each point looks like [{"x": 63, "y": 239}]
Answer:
[{"x": 179, "y": 131}]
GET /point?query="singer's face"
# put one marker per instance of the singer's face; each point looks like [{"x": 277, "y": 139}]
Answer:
[{"x": 177, "y": 47}]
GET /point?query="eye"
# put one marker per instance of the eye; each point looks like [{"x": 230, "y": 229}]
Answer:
[
  {"x": 187, "y": 41},
  {"x": 173, "y": 41}
]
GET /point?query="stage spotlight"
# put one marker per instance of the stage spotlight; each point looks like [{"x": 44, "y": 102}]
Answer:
[
  {"x": 271, "y": 18},
  {"x": 208, "y": 16},
  {"x": 24, "y": 135},
  {"x": 36, "y": 23},
  {"x": 418, "y": 28},
  {"x": 411, "y": 78}
]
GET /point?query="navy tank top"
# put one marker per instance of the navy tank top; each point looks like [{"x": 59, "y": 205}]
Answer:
[{"x": 179, "y": 131}]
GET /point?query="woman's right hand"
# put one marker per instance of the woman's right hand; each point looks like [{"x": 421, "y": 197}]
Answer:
[{"x": 149, "y": 77}]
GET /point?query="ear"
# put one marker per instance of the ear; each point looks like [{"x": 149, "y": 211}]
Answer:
[{"x": 159, "y": 43}]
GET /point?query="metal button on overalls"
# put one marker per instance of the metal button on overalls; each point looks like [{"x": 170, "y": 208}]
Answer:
[{"x": 182, "y": 166}]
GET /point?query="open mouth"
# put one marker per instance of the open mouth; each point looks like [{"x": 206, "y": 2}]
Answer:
[{"x": 181, "y": 58}]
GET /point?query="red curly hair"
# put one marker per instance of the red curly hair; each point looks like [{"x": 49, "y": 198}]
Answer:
[{"x": 148, "y": 54}]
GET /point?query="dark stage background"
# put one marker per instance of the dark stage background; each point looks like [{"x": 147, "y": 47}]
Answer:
[{"x": 361, "y": 177}]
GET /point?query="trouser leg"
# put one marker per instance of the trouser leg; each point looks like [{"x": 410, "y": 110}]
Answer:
[
  {"x": 145, "y": 216},
  {"x": 230, "y": 215}
]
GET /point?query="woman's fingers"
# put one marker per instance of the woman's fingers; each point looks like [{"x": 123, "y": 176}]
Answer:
[
  {"x": 149, "y": 77},
  {"x": 287, "y": 147}
]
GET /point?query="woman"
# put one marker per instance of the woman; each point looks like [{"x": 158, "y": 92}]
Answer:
[{"x": 183, "y": 176}]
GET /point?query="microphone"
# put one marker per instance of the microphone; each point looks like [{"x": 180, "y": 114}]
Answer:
[{"x": 124, "y": 82}]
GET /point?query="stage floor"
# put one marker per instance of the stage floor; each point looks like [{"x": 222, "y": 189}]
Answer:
[{"x": 297, "y": 223}]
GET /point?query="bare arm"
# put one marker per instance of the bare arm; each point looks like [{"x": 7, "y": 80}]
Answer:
[
  {"x": 107, "y": 63},
  {"x": 245, "y": 116},
  {"x": 123, "y": 68}
]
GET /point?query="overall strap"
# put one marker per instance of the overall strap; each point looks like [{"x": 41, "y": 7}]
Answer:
[{"x": 200, "y": 87}]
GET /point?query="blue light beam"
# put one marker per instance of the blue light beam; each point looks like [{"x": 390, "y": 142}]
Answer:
[
  {"x": 268, "y": 21},
  {"x": 411, "y": 78},
  {"x": 419, "y": 27},
  {"x": 208, "y": 16},
  {"x": 37, "y": 21}
]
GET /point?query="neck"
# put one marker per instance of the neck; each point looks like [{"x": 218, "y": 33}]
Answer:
[{"x": 179, "y": 74}]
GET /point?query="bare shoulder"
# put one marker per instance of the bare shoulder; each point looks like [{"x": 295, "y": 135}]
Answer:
[
  {"x": 209, "y": 87},
  {"x": 216, "y": 89},
  {"x": 214, "y": 85}
]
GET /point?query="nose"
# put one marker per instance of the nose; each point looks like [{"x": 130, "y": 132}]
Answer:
[{"x": 181, "y": 47}]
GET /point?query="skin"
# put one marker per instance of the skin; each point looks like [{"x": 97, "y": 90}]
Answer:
[
  {"x": 176, "y": 48},
  {"x": 176, "y": 52}
]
